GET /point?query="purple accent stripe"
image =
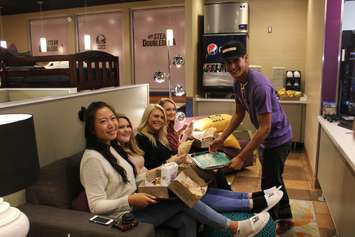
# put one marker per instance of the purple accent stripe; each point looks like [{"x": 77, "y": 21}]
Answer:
[{"x": 331, "y": 50}]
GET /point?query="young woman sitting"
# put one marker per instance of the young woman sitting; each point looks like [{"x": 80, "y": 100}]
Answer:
[{"x": 110, "y": 184}]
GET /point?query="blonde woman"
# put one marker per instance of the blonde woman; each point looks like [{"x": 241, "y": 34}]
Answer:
[
  {"x": 152, "y": 138},
  {"x": 174, "y": 137}
]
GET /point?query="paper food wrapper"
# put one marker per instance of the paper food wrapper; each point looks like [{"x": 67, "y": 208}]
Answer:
[
  {"x": 206, "y": 137},
  {"x": 168, "y": 173},
  {"x": 184, "y": 147}
]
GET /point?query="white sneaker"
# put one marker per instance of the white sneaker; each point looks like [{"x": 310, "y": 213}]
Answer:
[
  {"x": 270, "y": 190},
  {"x": 253, "y": 225},
  {"x": 272, "y": 198}
]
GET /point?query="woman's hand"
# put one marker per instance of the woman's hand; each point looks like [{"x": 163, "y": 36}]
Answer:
[
  {"x": 141, "y": 200},
  {"x": 188, "y": 130}
]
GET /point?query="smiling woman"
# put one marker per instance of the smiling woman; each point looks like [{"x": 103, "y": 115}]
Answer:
[{"x": 152, "y": 136}]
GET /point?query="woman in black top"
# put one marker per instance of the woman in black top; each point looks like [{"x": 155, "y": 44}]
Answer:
[{"x": 152, "y": 138}]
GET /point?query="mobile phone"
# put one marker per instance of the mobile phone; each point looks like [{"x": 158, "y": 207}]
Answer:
[{"x": 102, "y": 220}]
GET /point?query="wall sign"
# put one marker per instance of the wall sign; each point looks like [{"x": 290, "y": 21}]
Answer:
[
  {"x": 155, "y": 40},
  {"x": 150, "y": 51}
]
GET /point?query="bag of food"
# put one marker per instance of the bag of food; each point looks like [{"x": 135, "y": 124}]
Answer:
[{"x": 189, "y": 186}]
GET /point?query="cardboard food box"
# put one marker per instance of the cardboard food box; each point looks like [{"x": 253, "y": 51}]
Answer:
[
  {"x": 188, "y": 186},
  {"x": 161, "y": 192}
]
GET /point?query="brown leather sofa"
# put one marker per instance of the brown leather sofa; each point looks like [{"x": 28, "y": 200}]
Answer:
[{"x": 49, "y": 209}]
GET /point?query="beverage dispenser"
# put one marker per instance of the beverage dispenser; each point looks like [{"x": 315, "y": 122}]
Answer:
[
  {"x": 293, "y": 80},
  {"x": 297, "y": 80}
]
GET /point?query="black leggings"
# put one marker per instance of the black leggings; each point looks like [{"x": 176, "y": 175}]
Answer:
[{"x": 273, "y": 163}]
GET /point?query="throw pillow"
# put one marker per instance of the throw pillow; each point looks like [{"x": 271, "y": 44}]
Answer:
[{"x": 80, "y": 203}]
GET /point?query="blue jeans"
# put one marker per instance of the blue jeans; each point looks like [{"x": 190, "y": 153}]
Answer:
[
  {"x": 224, "y": 200},
  {"x": 166, "y": 212}
]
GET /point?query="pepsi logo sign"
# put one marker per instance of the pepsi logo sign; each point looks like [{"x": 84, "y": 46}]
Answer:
[{"x": 212, "y": 49}]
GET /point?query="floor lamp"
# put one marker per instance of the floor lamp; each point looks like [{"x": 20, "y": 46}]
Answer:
[
  {"x": 176, "y": 61},
  {"x": 19, "y": 168}
]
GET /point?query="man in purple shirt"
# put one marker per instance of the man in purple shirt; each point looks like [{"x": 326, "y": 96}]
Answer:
[{"x": 255, "y": 94}]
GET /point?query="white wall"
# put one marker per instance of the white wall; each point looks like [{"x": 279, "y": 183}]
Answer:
[
  {"x": 4, "y": 95},
  {"x": 348, "y": 20},
  {"x": 14, "y": 94}
]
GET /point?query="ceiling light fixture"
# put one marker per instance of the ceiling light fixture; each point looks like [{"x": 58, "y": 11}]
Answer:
[
  {"x": 87, "y": 37},
  {"x": 3, "y": 42},
  {"x": 42, "y": 39}
]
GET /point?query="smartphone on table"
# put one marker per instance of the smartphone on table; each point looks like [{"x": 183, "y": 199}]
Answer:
[{"x": 102, "y": 220}]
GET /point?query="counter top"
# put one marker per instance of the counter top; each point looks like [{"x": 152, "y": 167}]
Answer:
[
  {"x": 342, "y": 139},
  {"x": 302, "y": 100}
]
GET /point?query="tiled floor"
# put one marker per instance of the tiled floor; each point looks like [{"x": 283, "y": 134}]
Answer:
[{"x": 299, "y": 183}]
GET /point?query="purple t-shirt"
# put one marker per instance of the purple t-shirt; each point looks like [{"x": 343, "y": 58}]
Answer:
[{"x": 259, "y": 97}]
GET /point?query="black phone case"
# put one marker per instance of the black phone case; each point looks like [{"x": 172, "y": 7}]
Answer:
[{"x": 125, "y": 227}]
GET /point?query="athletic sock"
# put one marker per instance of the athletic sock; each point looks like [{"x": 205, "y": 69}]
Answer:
[{"x": 259, "y": 204}]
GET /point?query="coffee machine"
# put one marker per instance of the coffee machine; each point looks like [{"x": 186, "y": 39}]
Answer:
[
  {"x": 293, "y": 80},
  {"x": 297, "y": 80}
]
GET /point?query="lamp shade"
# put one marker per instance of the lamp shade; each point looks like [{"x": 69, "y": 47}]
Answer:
[
  {"x": 169, "y": 37},
  {"x": 3, "y": 43},
  {"x": 18, "y": 153},
  {"x": 43, "y": 45}
]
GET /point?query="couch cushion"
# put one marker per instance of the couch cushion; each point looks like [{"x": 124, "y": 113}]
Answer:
[
  {"x": 80, "y": 203},
  {"x": 48, "y": 221},
  {"x": 58, "y": 183}
]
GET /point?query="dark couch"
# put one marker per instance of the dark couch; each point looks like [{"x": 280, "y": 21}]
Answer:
[{"x": 49, "y": 210}]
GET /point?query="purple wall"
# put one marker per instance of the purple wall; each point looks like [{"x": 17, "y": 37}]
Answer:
[{"x": 331, "y": 50}]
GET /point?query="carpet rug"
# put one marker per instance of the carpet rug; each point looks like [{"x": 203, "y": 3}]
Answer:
[{"x": 304, "y": 223}]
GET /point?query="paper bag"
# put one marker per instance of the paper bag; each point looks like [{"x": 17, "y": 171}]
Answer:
[{"x": 188, "y": 186}]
